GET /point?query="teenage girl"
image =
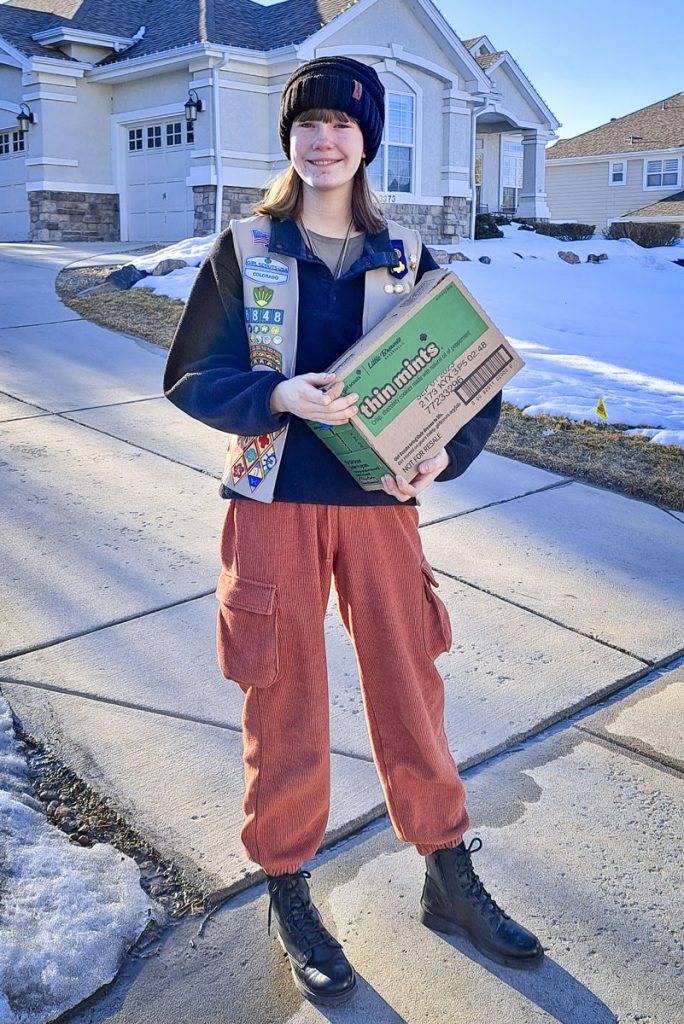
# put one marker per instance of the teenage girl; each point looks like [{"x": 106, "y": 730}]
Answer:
[{"x": 279, "y": 298}]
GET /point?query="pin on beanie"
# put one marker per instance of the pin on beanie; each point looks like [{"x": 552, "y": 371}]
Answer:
[{"x": 335, "y": 83}]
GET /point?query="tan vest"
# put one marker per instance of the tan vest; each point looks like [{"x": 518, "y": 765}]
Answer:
[{"x": 271, "y": 302}]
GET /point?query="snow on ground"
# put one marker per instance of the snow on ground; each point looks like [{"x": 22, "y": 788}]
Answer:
[
  {"x": 68, "y": 914},
  {"x": 586, "y": 331}
]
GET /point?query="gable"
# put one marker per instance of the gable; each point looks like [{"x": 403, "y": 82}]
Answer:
[{"x": 387, "y": 24}]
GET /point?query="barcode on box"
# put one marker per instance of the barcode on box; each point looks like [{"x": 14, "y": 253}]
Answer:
[{"x": 475, "y": 382}]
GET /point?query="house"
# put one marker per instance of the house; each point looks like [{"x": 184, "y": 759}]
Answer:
[
  {"x": 627, "y": 169},
  {"x": 126, "y": 120}
]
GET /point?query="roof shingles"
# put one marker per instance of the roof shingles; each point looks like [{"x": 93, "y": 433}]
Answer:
[
  {"x": 169, "y": 23},
  {"x": 658, "y": 126}
]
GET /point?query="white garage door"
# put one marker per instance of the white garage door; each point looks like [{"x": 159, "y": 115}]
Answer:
[
  {"x": 14, "y": 218},
  {"x": 160, "y": 205}
]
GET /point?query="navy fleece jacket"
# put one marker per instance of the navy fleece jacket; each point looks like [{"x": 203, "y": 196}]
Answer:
[{"x": 208, "y": 372}]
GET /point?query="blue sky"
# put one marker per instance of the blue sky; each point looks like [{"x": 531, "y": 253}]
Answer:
[{"x": 590, "y": 60}]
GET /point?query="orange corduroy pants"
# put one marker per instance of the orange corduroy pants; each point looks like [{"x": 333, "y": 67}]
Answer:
[{"x": 277, "y": 562}]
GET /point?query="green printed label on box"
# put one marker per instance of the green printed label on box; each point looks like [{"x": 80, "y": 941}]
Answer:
[
  {"x": 408, "y": 362},
  {"x": 350, "y": 448}
]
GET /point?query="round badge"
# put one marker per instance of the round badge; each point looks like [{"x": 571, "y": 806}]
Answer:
[
  {"x": 264, "y": 329},
  {"x": 274, "y": 330},
  {"x": 389, "y": 288},
  {"x": 277, "y": 340},
  {"x": 398, "y": 288}
]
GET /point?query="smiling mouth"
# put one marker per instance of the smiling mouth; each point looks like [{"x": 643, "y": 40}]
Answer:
[{"x": 323, "y": 163}]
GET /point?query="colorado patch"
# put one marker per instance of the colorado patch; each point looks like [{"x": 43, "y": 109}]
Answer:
[{"x": 264, "y": 269}]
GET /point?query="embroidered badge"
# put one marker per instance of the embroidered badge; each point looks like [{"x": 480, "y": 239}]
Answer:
[
  {"x": 413, "y": 261},
  {"x": 263, "y": 295},
  {"x": 265, "y": 270},
  {"x": 264, "y": 355},
  {"x": 260, "y": 237},
  {"x": 255, "y": 318},
  {"x": 256, "y": 459},
  {"x": 400, "y": 269}
]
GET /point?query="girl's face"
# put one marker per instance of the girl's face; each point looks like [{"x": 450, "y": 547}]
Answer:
[{"x": 326, "y": 149}]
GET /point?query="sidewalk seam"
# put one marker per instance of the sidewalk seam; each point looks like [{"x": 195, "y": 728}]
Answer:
[
  {"x": 572, "y": 629},
  {"x": 149, "y": 710},
  {"x": 500, "y": 501},
  {"x": 104, "y": 625},
  {"x": 664, "y": 763}
]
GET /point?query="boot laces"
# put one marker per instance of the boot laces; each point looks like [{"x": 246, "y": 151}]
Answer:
[
  {"x": 301, "y": 915},
  {"x": 475, "y": 886}
]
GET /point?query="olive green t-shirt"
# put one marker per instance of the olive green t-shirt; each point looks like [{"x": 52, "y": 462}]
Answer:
[{"x": 328, "y": 249}]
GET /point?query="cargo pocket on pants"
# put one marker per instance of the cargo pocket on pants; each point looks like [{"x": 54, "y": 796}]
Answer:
[
  {"x": 246, "y": 636},
  {"x": 436, "y": 624}
]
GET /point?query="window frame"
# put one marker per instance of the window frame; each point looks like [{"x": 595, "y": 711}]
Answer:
[
  {"x": 662, "y": 160},
  {"x": 383, "y": 149},
  {"x": 611, "y": 166},
  {"x": 15, "y": 141},
  {"x": 516, "y": 153},
  {"x": 154, "y": 136}
]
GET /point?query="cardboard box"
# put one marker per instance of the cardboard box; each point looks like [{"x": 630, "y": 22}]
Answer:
[{"x": 421, "y": 374}]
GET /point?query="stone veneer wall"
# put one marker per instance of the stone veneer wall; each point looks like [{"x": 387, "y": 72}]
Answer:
[
  {"x": 73, "y": 217},
  {"x": 447, "y": 223},
  {"x": 435, "y": 223},
  {"x": 237, "y": 202}
]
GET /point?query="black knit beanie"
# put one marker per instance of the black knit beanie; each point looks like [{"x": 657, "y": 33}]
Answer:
[{"x": 335, "y": 83}]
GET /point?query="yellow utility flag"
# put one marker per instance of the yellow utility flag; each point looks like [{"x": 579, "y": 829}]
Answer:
[{"x": 601, "y": 409}]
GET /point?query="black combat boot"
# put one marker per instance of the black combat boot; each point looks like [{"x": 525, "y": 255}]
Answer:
[
  {"x": 320, "y": 969},
  {"x": 454, "y": 900}
]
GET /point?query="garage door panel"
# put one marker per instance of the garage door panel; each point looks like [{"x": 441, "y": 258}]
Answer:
[
  {"x": 160, "y": 204},
  {"x": 14, "y": 217}
]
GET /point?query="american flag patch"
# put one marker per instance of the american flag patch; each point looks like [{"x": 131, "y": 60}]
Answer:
[{"x": 260, "y": 237}]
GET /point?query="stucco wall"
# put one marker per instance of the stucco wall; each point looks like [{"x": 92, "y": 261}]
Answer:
[
  {"x": 581, "y": 191},
  {"x": 158, "y": 90},
  {"x": 10, "y": 92},
  {"x": 512, "y": 98}
]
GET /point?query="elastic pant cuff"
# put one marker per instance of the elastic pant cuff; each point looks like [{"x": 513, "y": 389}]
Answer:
[{"x": 425, "y": 851}]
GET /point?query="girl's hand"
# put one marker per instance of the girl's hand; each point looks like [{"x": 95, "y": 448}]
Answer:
[
  {"x": 427, "y": 471},
  {"x": 302, "y": 396}
]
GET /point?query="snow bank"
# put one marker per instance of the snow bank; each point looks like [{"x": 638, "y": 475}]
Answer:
[
  {"x": 586, "y": 331},
  {"x": 68, "y": 914}
]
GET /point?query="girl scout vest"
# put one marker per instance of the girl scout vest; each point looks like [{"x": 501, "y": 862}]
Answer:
[{"x": 253, "y": 462}]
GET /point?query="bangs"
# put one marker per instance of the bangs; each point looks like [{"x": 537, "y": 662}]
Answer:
[{"x": 322, "y": 114}]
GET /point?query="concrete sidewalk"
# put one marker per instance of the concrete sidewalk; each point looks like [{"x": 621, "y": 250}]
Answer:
[{"x": 560, "y": 595}]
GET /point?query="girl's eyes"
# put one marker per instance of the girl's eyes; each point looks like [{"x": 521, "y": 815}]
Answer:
[{"x": 310, "y": 124}]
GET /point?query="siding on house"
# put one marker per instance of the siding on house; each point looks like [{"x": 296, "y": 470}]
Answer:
[{"x": 581, "y": 191}]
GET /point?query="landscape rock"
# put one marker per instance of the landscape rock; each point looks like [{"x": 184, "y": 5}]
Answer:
[
  {"x": 458, "y": 257},
  {"x": 569, "y": 257},
  {"x": 126, "y": 277},
  {"x": 439, "y": 255},
  {"x": 167, "y": 266},
  {"x": 485, "y": 259},
  {"x": 593, "y": 258}
]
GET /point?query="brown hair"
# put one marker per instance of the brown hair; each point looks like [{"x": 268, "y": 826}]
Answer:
[{"x": 283, "y": 197}]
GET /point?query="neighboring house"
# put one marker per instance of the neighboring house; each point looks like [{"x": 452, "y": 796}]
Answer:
[
  {"x": 109, "y": 85},
  {"x": 627, "y": 169}
]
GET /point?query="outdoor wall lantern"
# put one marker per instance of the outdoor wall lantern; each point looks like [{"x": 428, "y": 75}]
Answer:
[
  {"x": 192, "y": 106},
  {"x": 25, "y": 117}
]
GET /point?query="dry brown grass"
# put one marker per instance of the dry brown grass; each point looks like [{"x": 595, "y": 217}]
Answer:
[
  {"x": 597, "y": 453},
  {"x": 600, "y": 454},
  {"x": 138, "y": 311}
]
